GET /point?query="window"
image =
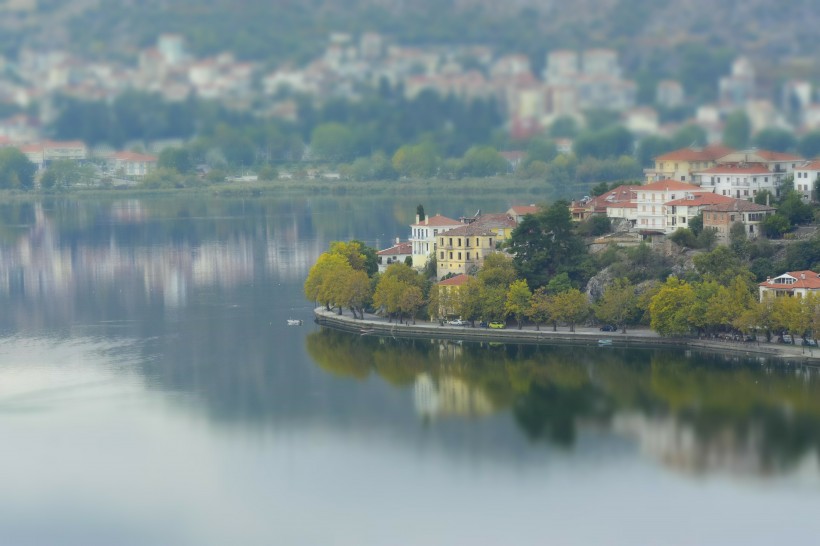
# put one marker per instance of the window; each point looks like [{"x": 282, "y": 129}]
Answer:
[
  {"x": 451, "y": 255},
  {"x": 442, "y": 254},
  {"x": 468, "y": 256},
  {"x": 451, "y": 241},
  {"x": 683, "y": 178},
  {"x": 459, "y": 241},
  {"x": 491, "y": 242},
  {"x": 442, "y": 241},
  {"x": 459, "y": 256},
  {"x": 476, "y": 242}
]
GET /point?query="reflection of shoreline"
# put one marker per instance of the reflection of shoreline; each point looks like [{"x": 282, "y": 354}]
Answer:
[
  {"x": 41, "y": 265},
  {"x": 695, "y": 415},
  {"x": 638, "y": 338}
]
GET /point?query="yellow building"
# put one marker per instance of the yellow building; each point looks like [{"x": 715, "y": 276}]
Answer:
[
  {"x": 680, "y": 164},
  {"x": 448, "y": 290},
  {"x": 462, "y": 250}
]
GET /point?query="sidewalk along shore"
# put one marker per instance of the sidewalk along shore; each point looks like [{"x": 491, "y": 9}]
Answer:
[{"x": 639, "y": 337}]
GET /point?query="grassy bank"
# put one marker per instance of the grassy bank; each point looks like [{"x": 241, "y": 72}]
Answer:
[{"x": 483, "y": 186}]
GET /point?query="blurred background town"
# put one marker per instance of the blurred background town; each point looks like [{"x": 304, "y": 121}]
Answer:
[{"x": 379, "y": 89}]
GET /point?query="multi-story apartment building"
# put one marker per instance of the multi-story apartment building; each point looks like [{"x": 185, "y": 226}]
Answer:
[
  {"x": 463, "y": 249},
  {"x": 805, "y": 177},
  {"x": 651, "y": 202},
  {"x": 423, "y": 236}
]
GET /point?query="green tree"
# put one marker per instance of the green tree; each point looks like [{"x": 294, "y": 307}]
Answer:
[
  {"x": 541, "y": 308},
  {"x": 776, "y": 140},
  {"x": 618, "y": 305},
  {"x": 737, "y": 130},
  {"x": 176, "y": 159},
  {"x": 540, "y": 149},
  {"x": 332, "y": 142},
  {"x": 775, "y": 225},
  {"x": 16, "y": 171},
  {"x": 355, "y": 291},
  {"x": 809, "y": 145},
  {"x": 518, "y": 302},
  {"x": 420, "y": 160},
  {"x": 65, "y": 173},
  {"x": 564, "y": 127},
  {"x": 483, "y": 161},
  {"x": 321, "y": 282},
  {"x": 571, "y": 307},
  {"x": 545, "y": 244},
  {"x": 497, "y": 270},
  {"x": 669, "y": 308}
]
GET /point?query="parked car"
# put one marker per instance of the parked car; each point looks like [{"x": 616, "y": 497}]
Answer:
[
  {"x": 483, "y": 324},
  {"x": 457, "y": 322},
  {"x": 497, "y": 325},
  {"x": 810, "y": 343},
  {"x": 786, "y": 338},
  {"x": 609, "y": 328}
]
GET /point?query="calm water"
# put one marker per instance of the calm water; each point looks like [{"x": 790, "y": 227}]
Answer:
[{"x": 151, "y": 394}]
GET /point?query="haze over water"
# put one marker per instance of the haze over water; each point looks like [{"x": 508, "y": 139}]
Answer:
[{"x": 151, "y": 393}]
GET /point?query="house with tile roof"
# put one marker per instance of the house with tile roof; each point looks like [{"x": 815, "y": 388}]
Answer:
[
  {"x": 448, "y": 289},
  {"x": 651, "y": 202},
  {"x": 605, "y": 204},
  {"x": 463, "y": 249},
  {"x": 805, "y": 177},
  {"x": 680, "y": 211},
  {"x": 791, "y": 283},
  {"x": 780, "y": 165},
  {"x": 131, "y": 163},
  {"x": 397, "y": 253},
  {"x": 680, "y": 164},
  {"x": 424, "y": 234},
  {"x": 741, "y": 181},
  {"x": 722, "y": 216},
  {"x": 500, "y": 223},
  {"x": 517, "y": 212}
]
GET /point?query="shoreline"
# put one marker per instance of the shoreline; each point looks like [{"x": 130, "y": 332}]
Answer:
[{"x": 636, "y": 338}]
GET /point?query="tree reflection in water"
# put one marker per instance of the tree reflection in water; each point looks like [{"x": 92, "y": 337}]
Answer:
[{"x": 697, "y": 412}]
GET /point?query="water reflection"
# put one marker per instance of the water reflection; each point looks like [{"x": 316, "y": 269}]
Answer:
[{"x": 696, "y": 413}]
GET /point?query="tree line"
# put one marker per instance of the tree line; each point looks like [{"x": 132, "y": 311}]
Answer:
[{"x": 544, "y": 276}]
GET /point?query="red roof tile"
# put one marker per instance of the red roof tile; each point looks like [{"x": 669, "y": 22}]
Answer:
[
  {"x": 396, "y": 250},
  {"x": 458, "y": 280},
  {"x": 699, "y": 199},
  {"x": 804, "y": 279},
  {"x": 438, "y": 220},
  {"x": 663, "y": 185},
  {"x": 709, "y": 153}
]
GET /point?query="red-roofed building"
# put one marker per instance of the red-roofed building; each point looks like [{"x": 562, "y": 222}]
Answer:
[
  {"x": 651, "y": 200},
  {"x": 739, "y": 180},
  {"x": 518, "y": 212},
  {"x": 680, "y": 164},
  {"x": 606, "y": 204},
  {"x": 423, "y": 236},
  {"x": 680, "y": 211},
  {"x": 131, "y": 164},
  {"x": 43, "y": 153},
  {"x": 804, "y": 178},
  {"x": 448, "y": 288},
  {"x": 395, "y": 254},
  {"x": 722, "y": 216},
  {"x": 777, "y": 163},
  {"x": 791, "y": 283}
]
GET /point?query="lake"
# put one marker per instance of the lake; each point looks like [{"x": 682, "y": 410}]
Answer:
[{"x": 151, "y": 393}]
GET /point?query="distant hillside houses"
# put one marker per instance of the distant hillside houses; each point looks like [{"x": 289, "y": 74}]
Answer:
[{"x": 714, "y": 181}]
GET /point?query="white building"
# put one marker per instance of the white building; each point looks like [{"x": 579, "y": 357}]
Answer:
[
  {"x": 651, "y": 200},
  {"x": 805, "y": 177},
  {"x": 423, "y": 236}
]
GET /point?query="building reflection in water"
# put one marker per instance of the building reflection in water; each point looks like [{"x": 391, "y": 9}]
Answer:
[
  {"x": 43, "y": 263},
  {"x": 697, "y": 414}
]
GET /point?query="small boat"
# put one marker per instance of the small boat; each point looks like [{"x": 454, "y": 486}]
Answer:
[
  {"x": 604, "y": 342},
  {"x": 294, "y": 322}
]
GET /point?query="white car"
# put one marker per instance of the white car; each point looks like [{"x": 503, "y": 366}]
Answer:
[{"x": 458, "y": 322}]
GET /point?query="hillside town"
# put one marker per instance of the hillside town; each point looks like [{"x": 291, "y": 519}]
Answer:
[{"x": 571, "y": 84}]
